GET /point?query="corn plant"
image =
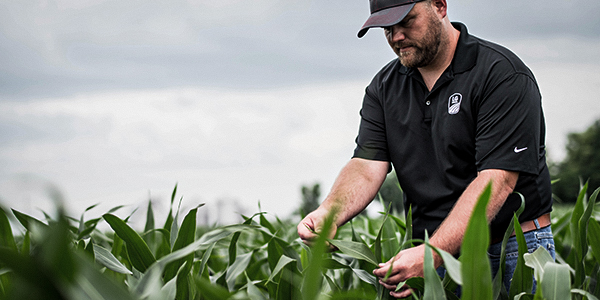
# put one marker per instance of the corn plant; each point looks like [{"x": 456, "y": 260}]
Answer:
[{"x": 63, "y": 257}]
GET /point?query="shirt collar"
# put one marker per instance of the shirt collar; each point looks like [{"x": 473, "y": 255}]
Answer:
[{"x": 466, "y": 52}]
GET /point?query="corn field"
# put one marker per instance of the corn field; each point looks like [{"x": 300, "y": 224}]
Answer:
[{"x": 262, "y": 258}]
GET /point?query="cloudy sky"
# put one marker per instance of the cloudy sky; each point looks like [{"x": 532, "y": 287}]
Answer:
[{"x": 237, "y": 101}]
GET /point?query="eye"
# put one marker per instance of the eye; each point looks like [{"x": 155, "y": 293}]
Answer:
[{"x": 407, "y": 21}]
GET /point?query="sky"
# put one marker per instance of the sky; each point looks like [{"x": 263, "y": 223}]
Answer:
[{"x": 238, "y": 102}]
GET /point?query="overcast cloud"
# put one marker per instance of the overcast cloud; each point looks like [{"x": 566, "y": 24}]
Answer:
[{"x": 234, "y": 99}]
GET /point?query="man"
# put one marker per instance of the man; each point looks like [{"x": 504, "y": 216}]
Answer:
[{"x": 451, "y": 114}]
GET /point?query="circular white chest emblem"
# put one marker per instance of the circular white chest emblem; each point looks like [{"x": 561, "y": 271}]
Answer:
[{"x": 454, "y": 103}]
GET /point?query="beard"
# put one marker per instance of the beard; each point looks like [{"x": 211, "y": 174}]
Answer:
[{"x": 425, "y": 49}]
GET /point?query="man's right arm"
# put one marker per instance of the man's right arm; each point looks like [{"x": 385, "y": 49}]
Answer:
[{"x": 355, "y": 187}]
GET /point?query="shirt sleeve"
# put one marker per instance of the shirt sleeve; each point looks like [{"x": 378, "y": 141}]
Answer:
[
  {"x": 509, "y": 126},
  {"x": 371, "y": 142}
]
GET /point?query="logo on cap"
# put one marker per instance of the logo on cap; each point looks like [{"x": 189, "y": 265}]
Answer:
[{"x": 454, "y": 103}]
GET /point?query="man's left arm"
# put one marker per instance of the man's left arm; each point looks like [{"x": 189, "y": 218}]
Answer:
[{"x": 448, "y": 237}]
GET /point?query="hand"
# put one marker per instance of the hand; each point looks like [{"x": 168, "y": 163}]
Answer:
[
  {"x": 406, "y": 264},
  {"x": 312, "y": 225}
]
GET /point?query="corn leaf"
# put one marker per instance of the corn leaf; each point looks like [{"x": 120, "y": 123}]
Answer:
[
  {"x": 185, "y": 236},
  {"x": 576, "y": 215},
  {"x": 254, "y": 293},
  {"x": 29, "y": 271},
  {"x": 434, "y": 290},
  {"x": 274, "y": 253},
  {"x": 235, "y": 238},
  {"x": 85, "y": 228},
  {"x": 400, "y": 223},
  {"x": 283, "y": 261},
  {"x": 182, "y": 282},
  {"x": 416, "y": 283},
  {"x": 139, "y": 254},
  {"x": 333, "y": 286},
  {"x": 112, "y": 210},
  {"x": 498, "y": 285},
  {"x": 583, "y": 223},
  {"x": 265, "y": 223},
  {"x": 215, "y": 236},
  {"x": 377, "y": 250},
  {"x": 237, "y": 268},
  {"x": 390, "y": 242},
  {"x": 117, "y": 246},
  {"x": 476, "y": 273},
  {"x": 149, "y": 230},
  {"x": 175, "y": 225},
  {"x": 365, "y": 276},
  {"x": 333, "y": 263},
  {"x": 523, "y": 275},
  {"x": 212, "y": 291},
  {"x": 408, "y": 231},
  {"x": 107, "y": 259},
  {"x": 169, "y": 221},
  {"x": 523, "y": 296},
  {"x": 168, "y": 291},
  {"x": 537, "y": 260},
  {"x": 578, "y": 228},
  {"x": 28, "y": 221},
  {"x": 594, "y": 238},
  {"x": 149, "y": 217},
  {"x": 6, "y": 236},
  {"x": 313, "y": 274},
  {"x": 356, "y": 250},
  {"x": 26, "y": 247},
  {"x": 147, "y": 280},
  {"x": 451, "y": 264},
  {"x": 91, "y": 284},
  {"x": 584, "y": 293},
  {"x": 222, "y": 232},
  {"x": 288, "y": 286},
  {"x": 205, "y": 258},
  {"x": 556, "y": 282}
]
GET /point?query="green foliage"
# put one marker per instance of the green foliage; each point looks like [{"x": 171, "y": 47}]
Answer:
[
  {"x": 476, "y": 270},
  {"x": 581, "y": 163},
  {"x": 310, "y": 199},
  {"x": 391, "y": 192},
  {"x": 261, "y": 258}
]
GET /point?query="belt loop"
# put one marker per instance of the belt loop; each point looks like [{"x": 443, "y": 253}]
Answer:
[{"x": 537, "y": 224}]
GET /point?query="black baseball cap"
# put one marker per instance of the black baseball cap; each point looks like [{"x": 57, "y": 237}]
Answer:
[{"x": 386, "y": 13}]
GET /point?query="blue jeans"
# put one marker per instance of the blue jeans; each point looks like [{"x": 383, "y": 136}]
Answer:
[{"x": 536, "y": 238}]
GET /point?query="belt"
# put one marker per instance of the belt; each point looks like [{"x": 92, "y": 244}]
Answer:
[{"x": 527, "y": 226}]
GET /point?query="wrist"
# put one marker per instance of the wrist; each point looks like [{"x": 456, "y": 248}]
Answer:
[{"x": 437, "y": 259}]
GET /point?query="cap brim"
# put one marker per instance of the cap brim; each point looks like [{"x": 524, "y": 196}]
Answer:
[{"x": 386, "y": 17}]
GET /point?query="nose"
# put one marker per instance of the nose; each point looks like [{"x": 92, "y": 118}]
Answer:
[{"x": 396, "y": 33}]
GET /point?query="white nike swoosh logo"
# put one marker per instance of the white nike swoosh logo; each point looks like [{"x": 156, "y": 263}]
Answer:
[{"x": 520, "y": 150}]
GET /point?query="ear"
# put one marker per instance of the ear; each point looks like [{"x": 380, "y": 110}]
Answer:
[{"x": 440, "y": 7}]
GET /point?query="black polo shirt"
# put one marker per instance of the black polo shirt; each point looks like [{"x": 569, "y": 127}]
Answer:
[{"x": 484, "y": 112}]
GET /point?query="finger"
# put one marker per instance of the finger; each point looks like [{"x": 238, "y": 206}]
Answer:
[
  {"x": 306, "y": 232},
  {"x": 401, "y": 294},
  {"x": 310, "y": 228},
  {"x": 391, "y": 287},
  {"x": 395, "y": 279},
  {"x": 384, "y": 267},
  {"x": 382, "y": 270},
  {"x": 311, "y": 242}
]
